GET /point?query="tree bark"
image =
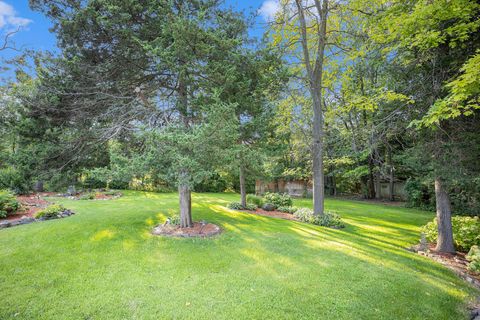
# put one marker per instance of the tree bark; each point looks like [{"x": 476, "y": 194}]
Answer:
[
  {"x": 391, "y": 184},
  {"x": 243, "y": 192},
  {"x": 371, "y": 178},
  {"x": 185, "y": 198},
  {"x": 378, "y": 185},
  {"x": 38, "y": 187},
  {"x": 315, "y": 77},
  {"x": 334, "y": 184},
  {"x": 184, "y": 192},
  {"x": 444, "y": 218}
]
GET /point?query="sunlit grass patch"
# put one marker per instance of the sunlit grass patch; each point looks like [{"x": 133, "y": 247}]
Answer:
[{"x": 103, "y": 263}]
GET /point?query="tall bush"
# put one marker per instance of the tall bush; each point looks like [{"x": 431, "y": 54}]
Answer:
[
  {"x": 466, "y": 232},
  {"x": 8, "y": 203}
]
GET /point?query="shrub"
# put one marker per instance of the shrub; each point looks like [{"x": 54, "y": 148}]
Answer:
[
  {"x": 305, "y": 215},
  {"x": 466, "y": 232},
  {"x": 419, "y": 195},
  {"x": 238, "y": 206},
  {"x": 329, "y": 219},
  {"x": 474, "y": 257},
  {"x": 287, "y": 209},
  {"x": 278, "y": 199},
  {"x": 118, "y": 184},
  {"x": 8, "y": 203},
  {"x": 235, "y": 206},
  {"x": 50, "y": 211},
  {"x": 174, "y": 219},
  {"x": 213, "y": 183},
  {"x": 13, "y": 179},
  {"x": 251, "y": 198},
  {"x": 87, "y": 196},
  {"x": 268, "y": 207},
  {"x": 92, "y": 182}
]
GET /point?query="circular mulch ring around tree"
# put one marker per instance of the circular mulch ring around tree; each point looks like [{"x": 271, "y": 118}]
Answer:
[{"x": 199, "y": 230}]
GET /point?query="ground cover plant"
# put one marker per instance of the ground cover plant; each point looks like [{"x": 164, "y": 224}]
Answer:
[
  {"x": 50, "y": 212},
  {"x": 473, "y": 257},
  {"x": 103, "y": 263}
]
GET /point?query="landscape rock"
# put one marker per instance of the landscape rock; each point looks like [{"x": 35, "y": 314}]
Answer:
[
  {"x": 38, "y": 187},
  {"x": 475, "y": 314},
  {"x": 4, "y": 224},
  {"x": 268, "y": 207},
  {"x": 27, "y": 220},
  {"x": 71, "y": 191}
]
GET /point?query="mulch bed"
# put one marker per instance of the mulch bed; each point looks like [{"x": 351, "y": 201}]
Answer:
[
  {"x": 98, "y": 196},
  {"x": 31, "y": 204},
  {"x": 274, "y": 214},
  {"x": 102, "y": 196},
  {"x": 200, "y": 229}
]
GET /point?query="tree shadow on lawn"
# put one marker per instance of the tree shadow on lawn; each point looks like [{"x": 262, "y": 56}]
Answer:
[
  {"x": 373, "y": 244},
  {"x": 351, "y": 256},
  {"x": 365, "y": 260},
  {"x": 277, "y": 266}
]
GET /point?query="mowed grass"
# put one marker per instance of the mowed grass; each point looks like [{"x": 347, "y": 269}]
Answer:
[{"x": 103, "y": 263}]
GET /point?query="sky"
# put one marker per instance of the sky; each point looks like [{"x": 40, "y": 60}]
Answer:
[{"x": 34, "y": 27}]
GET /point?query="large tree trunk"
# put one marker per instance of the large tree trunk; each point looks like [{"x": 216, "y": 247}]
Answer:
[
  {"x": 243, "y": 191},
  {"x": 444, "y": 218},
  {"x": 185, "y": 197},
  {"x": 184, "y": 192},
  {"x": 318, "y": 175},
  {"x": 315, "y": 77}
]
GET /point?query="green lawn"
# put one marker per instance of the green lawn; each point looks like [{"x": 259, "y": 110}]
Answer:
[{"x": 103, "y": 263}]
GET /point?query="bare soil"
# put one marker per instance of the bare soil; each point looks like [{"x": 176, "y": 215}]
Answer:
[{"x": 199, "y": 229}]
